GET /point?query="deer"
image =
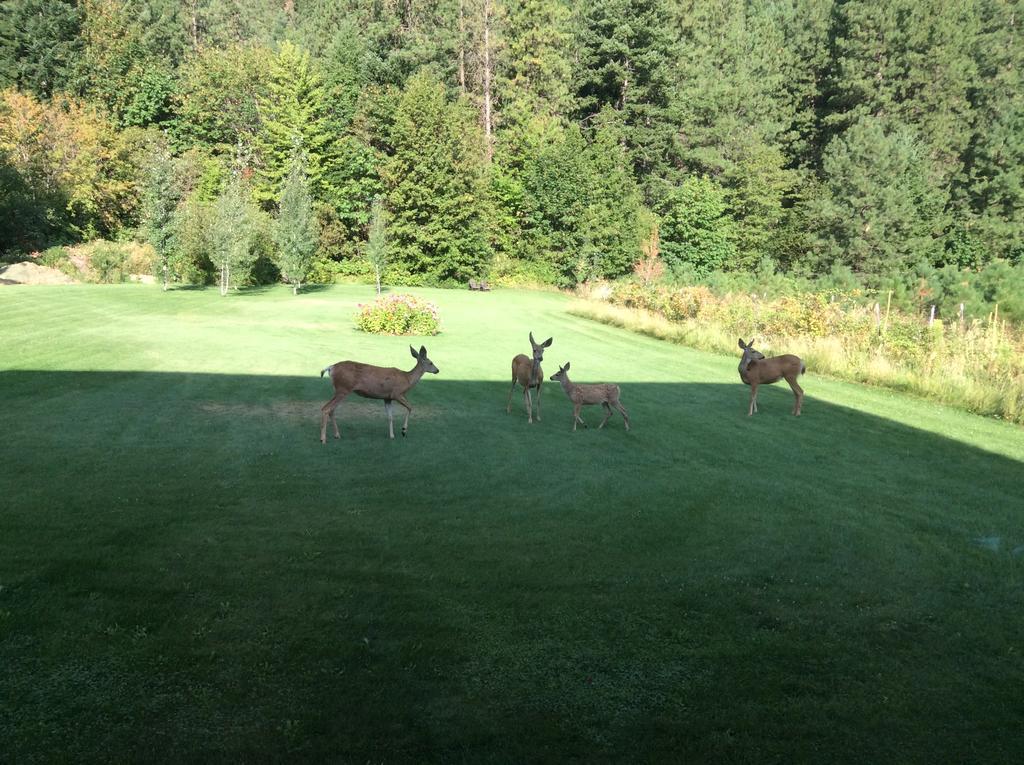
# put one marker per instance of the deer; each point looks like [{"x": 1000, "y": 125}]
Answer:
[
  {"x": 605, "y": 394},
  {"x": 527, "y": 372},
  {"x": 366, "y": 380},
  {"x": 756, "y": 370}
]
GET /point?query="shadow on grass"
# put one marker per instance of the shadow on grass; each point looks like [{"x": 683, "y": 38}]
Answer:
[{"x": 189, "y": 574}]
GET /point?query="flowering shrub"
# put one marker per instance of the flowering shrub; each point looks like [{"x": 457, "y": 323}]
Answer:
[{"x": 399, "y": 315}]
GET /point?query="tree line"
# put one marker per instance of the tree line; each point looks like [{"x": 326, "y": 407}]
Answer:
[{"x": 549, "y": 139}]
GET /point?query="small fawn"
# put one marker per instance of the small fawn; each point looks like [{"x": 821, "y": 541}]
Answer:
[{"x": 605, "y": 394}]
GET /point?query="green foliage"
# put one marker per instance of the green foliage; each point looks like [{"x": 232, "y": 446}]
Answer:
[
  {"x": 293, "y": 117},
  {"x": 233, "y": 236},
  {"x": 159, "y": 201},
  {"x": 884, "y": 137},
  {"x": 296, "y": 232},
  {"x": 217, "y": 99},
  {"x": 626, "y": 54},
  {"x": 434, "y": 185},
  {"x": 695, "y": 229},
  {"x": 878, "y": 211},
  {"x": 39, "y": 44},
  {"x": 399, "y": 314},
  {"x": 376, "y": 242}
]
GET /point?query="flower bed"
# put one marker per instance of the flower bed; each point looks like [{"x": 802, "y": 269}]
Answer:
[{"x": 399, "y": 315}]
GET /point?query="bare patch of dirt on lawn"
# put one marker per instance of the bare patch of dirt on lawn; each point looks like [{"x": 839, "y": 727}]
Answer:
[{"x": 352, "y": 408}]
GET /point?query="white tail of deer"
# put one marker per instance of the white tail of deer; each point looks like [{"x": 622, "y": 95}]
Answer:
[
  {"x": 605, "y": 394},
  {"x": 527, "y": 372},
  {"x": 756, "y": 370},
  {"x": 385, "y": 383}
]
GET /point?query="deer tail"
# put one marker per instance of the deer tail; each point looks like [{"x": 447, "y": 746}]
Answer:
[
  {"x": 803, "y": 367},
  {"x": 326, "y": 370}
]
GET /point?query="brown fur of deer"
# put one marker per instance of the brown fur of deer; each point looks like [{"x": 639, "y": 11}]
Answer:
[
  {"x": 527, "y": 372},
  {"x": 756, "y": 370},
  {"x": 385, "y": 383},
  {"x": 605, "y": 394}
]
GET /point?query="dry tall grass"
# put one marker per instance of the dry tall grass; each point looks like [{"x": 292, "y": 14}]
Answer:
[{"x": 977, "y": 366}]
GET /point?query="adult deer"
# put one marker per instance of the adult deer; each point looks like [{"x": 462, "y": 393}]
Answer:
[
  {"x": 605, "y": 394},
  {"x": 756, "y": 370},
  {"x": 527, "y": 372},
  {"x": 368, "y": 381}
]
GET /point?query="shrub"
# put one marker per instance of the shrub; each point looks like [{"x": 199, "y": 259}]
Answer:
[{"x": 399, "y": 315}]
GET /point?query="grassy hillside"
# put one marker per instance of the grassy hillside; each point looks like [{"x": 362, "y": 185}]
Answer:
[{"x": 186, "y": 573}]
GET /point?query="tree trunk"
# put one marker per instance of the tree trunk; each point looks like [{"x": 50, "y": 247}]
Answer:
[{"x": 488, "y": 127}]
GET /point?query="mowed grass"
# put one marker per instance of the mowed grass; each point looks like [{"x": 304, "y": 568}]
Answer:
[{"x": 186, "y": 574}]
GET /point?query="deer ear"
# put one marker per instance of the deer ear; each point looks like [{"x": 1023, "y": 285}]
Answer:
[
  {"x": 547, "y": 343},
  {"x": 413, "y": 352},
  {"x": 423, "y": 351},
  {"x": 742, "y": 345},
  {"x": 566, "y": 366},
  {"x": 532, "y": 341}
]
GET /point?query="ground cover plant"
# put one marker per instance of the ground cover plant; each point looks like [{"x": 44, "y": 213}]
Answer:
[{"x": 186, "y": 574}]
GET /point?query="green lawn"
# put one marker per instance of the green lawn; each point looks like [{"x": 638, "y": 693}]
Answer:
[{"x": 186, "y": 574}]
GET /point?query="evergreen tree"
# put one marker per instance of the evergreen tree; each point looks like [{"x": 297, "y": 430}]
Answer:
[
  {"x": 993, "y": 188},
  {"x": 294, "y": 114},
  {"x": 39, "y": 44},
  {"x": 625, "y": 52},
  {"x": 908, "y": 61},
  {"x": 435, "y": 185},
  {"x": 537, "y": 68},
  {"x": 879, "y": 210}
]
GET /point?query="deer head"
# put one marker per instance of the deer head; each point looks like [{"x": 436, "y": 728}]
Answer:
[
  {"x": 562, "y": 375},
  {"x": 422, "y": 360},
  {"x": 749, "y": 354},
  {"x": 538, "y": 350}
]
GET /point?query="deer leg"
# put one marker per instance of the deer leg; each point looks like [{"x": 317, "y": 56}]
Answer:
[
  {"x": 538, "y": 399},
  {"x": 528, "y": 403},
  {"x": 622, "y": 409},
  {"x": 607, "y": 414},
  {"x": 408, "y": 410},
  {"x": 799, "y": 393},
  {"x": 576, "y": 416},
  {"x": 753, "y": 399},
  {"x": 391, "y": 424},
  {"x": 327, "y": 413}
]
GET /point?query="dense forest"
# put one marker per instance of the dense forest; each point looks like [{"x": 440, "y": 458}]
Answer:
[{"x": 554, "y": 140}]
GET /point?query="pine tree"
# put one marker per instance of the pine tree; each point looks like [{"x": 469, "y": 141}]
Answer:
[
  {"x": 879, "y": 210},
  {"x": 296, "y": 232},
  {"x": 625, "y": 51},
  {"x": 39, "y": 44},
  {"x": 294, "y": 114},
  {"x": 993, "y": 188},
  {"x": 910, "y": 62},
  {"x": 435, "y": 185}
]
